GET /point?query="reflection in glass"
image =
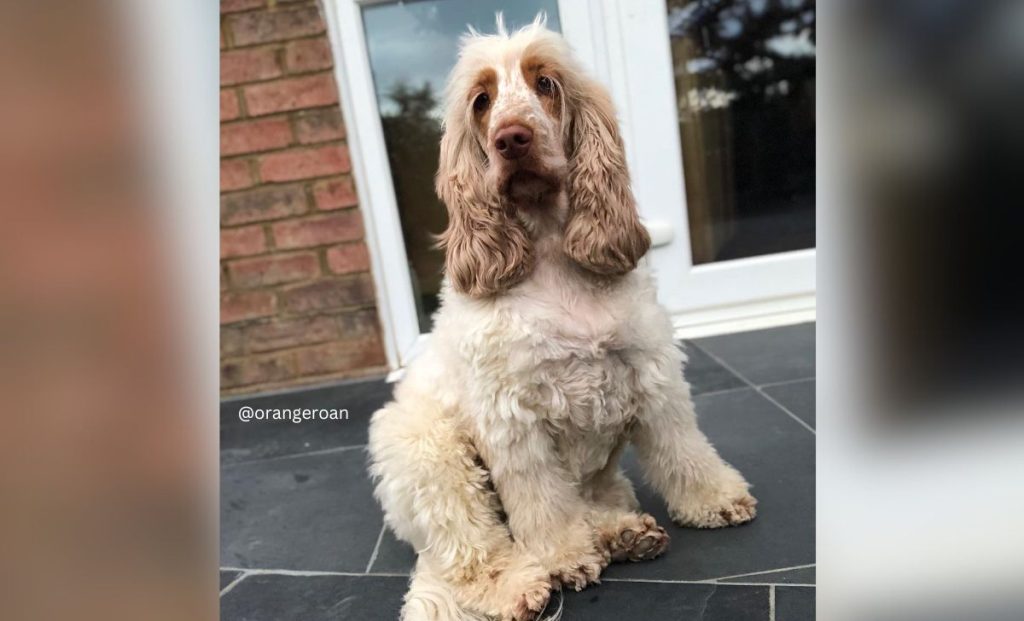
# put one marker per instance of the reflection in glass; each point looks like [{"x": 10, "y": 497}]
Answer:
[
  {"x": 412, "y": 47},
  {"x": 744, "y": 77}
]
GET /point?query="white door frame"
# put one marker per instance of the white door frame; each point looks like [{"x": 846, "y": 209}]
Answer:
[{"x": 615, "y": 39}]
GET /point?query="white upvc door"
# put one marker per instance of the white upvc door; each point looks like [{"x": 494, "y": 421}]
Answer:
[{"x": 625, "y": 43}]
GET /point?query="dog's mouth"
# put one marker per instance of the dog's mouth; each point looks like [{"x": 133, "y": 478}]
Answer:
[{"x": 530, "y": 187}]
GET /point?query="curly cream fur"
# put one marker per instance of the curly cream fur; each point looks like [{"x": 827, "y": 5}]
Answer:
[{"x": 498, "y": 458}]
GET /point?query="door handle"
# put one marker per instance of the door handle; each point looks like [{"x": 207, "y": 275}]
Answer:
[{"x": 661, "y": 232}]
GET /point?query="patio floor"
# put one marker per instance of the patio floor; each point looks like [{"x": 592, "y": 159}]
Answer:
[{"x": 302, "y": 537}]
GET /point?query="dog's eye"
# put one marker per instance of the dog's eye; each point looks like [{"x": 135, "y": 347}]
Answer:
[
  {"x": 481, "y": 102},
  {"x": 545, "y": 86}
]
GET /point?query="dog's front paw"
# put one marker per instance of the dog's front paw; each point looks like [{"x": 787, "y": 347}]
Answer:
[
  {"x": 578, "y": 559},
  {"x": 637, "y": 538},
  {"x": 728, "y": 503},
  {"x": 583, "y": 570},
  {"x": 718, "y": 514},
  {"x": 530, "y": 604}
]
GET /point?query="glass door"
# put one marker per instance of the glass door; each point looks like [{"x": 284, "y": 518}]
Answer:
[{"x": 717, "y": 100}]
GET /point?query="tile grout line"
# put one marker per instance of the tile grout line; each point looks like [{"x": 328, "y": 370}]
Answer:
[
  {"x": 376, "y": 549},
  {"x": 382, "y": 574},
  {"x": 748, "y": 386},
  {"x": 233, "y": 583},
  {"x": 756, "y": 388},
  {"x": 314, "y": 574},
  {"x": 761, "y": 573},
  {"x": 792, "y": 381},
  {"x": 771, "y": 603},
  {"x": 706, "y": 583},
  {"x": 723, "y": 391},
  {"x": 330, "y": 451}
]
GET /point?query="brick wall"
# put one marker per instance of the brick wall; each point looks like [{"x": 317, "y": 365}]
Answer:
[{"x": 297, "y": 299}]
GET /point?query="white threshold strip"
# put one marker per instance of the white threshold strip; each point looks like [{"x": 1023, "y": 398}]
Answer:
[{"x": 745, "y": 317}]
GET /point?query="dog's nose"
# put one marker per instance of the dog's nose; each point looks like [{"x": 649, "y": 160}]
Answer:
[{"x": 513, "y": 142}]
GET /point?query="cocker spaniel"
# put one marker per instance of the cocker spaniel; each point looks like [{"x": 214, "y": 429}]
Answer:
[{"x": 498, "y": 458}]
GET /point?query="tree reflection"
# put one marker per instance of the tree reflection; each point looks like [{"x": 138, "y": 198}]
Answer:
[
  {"x": 412, "y": 133},
  {"x": 745, "y": 78}
]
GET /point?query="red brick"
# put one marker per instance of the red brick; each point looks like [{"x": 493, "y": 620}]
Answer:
[
  {"x": 316, "y": 231},
  {"x": 280, "y": 334},
  {"x": 319, "y": 125},
  {"x": 260, "y": 370},
  {"x": 305, "y": 163},
  {"x": 242, "y": 241},
  {"x": 254, "y": 136},
  {"x": 308, "y": 55},
  {"x": 291, "y": 94},
  {"x": 329, "y": 294},
  {"x": 228, "y": 105},
  {"x": 239, "y": 66},
  {"x": 234, "y": 175},
  {"x": 335, "y": 357},
  {"x": 275, "y": 25},
  {"x": 262, "y": 204},
  {"x": 348, "y": 258},
  {"x": 239, "y": 306},
  {"x": 231, "y": 6},
  {"x": 232, "y": 343},
  {"x": 358, "y": 323},
  {"x": 335, "y": 193},
  {"x": 273, "y": 269}
]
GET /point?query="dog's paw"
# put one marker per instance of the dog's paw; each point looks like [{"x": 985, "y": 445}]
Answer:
[
  {"x": 718, "y": 512},
  {"x": 638, "y": 538},
  {"x": 582, "y": 573},
  {"x": 726, "y": 503},
  {"x": 529, "y": 605}
]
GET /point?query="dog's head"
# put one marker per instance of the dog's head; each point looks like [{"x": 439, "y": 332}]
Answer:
[{"x": 524, "y": 125}]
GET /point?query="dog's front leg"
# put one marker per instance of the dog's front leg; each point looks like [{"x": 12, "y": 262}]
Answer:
[
  {"x": 546, "y": 514},
  {"x": 699, "y": 487}
]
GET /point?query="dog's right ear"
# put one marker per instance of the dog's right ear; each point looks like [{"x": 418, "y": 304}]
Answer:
[{"x": 487, "y": 250}]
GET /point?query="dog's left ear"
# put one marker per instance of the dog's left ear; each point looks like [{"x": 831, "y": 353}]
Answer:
[{"x": 603, "y": 234}]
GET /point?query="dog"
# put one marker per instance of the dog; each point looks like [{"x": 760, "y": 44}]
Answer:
[{"x": 497, "y": 460}]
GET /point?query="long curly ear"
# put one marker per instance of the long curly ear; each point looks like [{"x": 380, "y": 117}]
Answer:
[
  {"x": 603, "y": 234},
  {"x": 487, "y": 250}
]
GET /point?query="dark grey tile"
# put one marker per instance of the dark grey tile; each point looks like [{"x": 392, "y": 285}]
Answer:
[
  {"x": 789, "y": 576},
  {"x": 314, "y": 512},
  {"x": 227, "y": 577},
  {"x": 794, "y": 603},
  {"x": 393, "y": 556},
  {"x": 797, "y": 397},
  {"x": 244, "y": 441},
  {"x": 614, "y": 601},
  {"x": 766, "y": 356},
  {"x": 776, "y": 455},
  {"x": 314, "y": 598},
  {"x": 706, "y": 375}
]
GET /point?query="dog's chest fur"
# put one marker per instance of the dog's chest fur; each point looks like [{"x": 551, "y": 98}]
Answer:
[{"x": 567, "y": 356}]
